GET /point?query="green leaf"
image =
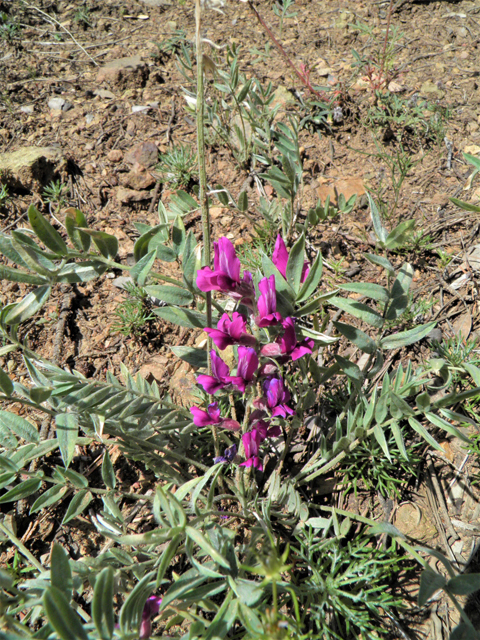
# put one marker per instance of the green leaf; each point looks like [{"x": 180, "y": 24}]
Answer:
[
  {"x": 242, "y": 94},
  {"x": 67, "y": 435},
  {"x": 7, "y": 249},
  {"x": 18, "y": 425},
  {"x": 281, "y": 285},
  {"x": 367, "y": 289},
  {"x": 139, "y": 272},
  {"x": 29, "y": 306},
  {"x": 164, "y": 252},
  {"x": 81, "y": 271},
  {"x": 296, "y": 260},
  {"x": 203, "y": 543},
  {"x": 464, "y": 584},
  {"x": 403, "y": 407},
  {"x": 182, "y": 317},
  {"x": 399, "y": 237},
  {"x": 61, "y": 616},
  {"x": 32, "y": 258},
  {"x": 22, "y": 490},
  {"x": 359, "y": 310},
  {"x": 430, "y": 582},
  {"x": 350, "y": 369},
  {"x": 73, "y": 220},
  {"x": 404, "y": 338},
  {"x": 102, "y": 604},
  {"x": 381, "y": 262},
  {"x": 178, "y": 236},
  {"x": 196, "y": 357},
  {"x": 358, "y": 337},
  {"x": 108, "y": 473},
  {"x": 170, "y": 294},
  {"x": 222, "y": 195},
  {"x": 46, "y": 233},
  {"x": 60, "y": 571},
  {"x": 446, "y": 426},
  {"x": 224, "y": 619},
  {"x": 400, "y": 442},
  {"x": 378, "y": 227},
  {"x": 312, "y": 280},
  {"x": 78, "y": 504},
  {"x": 105, "y": 242},
  {"x": 16, "y": 275},
  {"x": 6, "y": 385},
  {"x": 380, "y": 438},
  {"x": 49, "y": 497},
  {"x": 465, "y": 205},
  {"x": 242, "y": 203},
  {"x": 385, "y": 528},
  {"x": 142, "y": 244}
]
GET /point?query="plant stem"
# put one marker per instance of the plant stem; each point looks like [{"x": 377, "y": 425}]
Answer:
[
  {"x": 383, "y": 61},
  {"x": 284, "y": 53}
]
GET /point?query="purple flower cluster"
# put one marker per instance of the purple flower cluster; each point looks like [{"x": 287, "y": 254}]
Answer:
[{"x": 251, "y": 374}]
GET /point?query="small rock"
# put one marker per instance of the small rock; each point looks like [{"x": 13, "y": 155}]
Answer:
[
  {"x": 137, "y": 180},
  {"x": 435, "y": 335},
  {"x": 139, "y": 108},
  {"x": 115, "y": 155},
  {"x": 144, "y": 154},
  {"x": 104, "y": 94},
  {"x": 56, "y": 104},
  {"x": 90, "y": 117},
  {"x": 157, "y": 3},
  {"x": 430, "y": 88},
  {"x": 124, "y": 71},
  {"x": 282, "y": 97},
  {"x": 239, "y": 241},
  {"x": 126, "y": 196},
  {"x": 27, "y": 109},
  {"x": 29, "y": 168}
]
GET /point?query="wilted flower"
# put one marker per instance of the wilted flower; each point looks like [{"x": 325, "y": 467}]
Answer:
[
  {"x": 212, "y": 415},
  {"x": 228, "y": 455},
  {"x": 280, "y": 259},
  {"x": 287, "y": 344},
  {"x": 267, "y": 303},
  {"x": 226, "y": 274},
  {"x": 246, "y": 369},
  {"x": 229, "y": 332},
  {"x": 152, "y": 605},
  {"x": 219, "y": 377}
]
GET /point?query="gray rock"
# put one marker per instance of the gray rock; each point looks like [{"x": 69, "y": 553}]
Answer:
[
  {"x": 157, "y": 3},
  {"x": 144, "y": 154},
  {"x": 126, "y": 196},
  {"x": 56, "y": 104}
]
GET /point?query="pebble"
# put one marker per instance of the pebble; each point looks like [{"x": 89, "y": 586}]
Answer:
[
  {"x": 27, "y": 109},
  {"x": 115, "y": 155}
]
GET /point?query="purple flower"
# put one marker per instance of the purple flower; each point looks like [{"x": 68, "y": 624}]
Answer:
[
  {"x": 275, "y": 398},
  {"x": 265, "y": 431},
  {"x": 287, "y": 344},
  {"x": 152, "y": 605},
  {"x": 280, "y": 259},
  {"x": 267, "y": 303},
  {"x": 226, "y": 274},
  {"x": 219, "y": 377},
  {"x": 230, "y": 332},
  {"x": 228, "y": 455},
  {"x": 251, "y": 443},
  {"x": 246, "y": 369},
  {"x": 203, "y": 418}
]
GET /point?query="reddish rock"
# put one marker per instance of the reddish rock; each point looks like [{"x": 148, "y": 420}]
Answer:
[
  {"x": 144, "y": 154},
  {"x": 115, "y": 155},
  {"x": 126, "y": 196},
  {"x": 137, "y": 180}
]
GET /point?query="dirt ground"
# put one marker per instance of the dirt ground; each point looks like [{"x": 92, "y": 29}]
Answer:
[{"x": 65, "y": 50}]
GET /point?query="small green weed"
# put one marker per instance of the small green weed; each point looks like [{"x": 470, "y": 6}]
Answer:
[
  {"x": 83, "y": 17},
  {"x": 456, "y": 351},
  {"x": 134, "y": 313},
  {"x": 444, "y": 258},
  {"x": 178, "y": 166},
  {"x": 250, "y": 253},
  {"x": 409, "y": 122},
  {"x": 9, "y": 29},
  {"x": 280, "y": 9},
  {"x": 4, "y": 196},
  {"x": 173, "y": 44},
  {"x": 367, "y": 467},
  {"x": 56, "y": 193}
]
